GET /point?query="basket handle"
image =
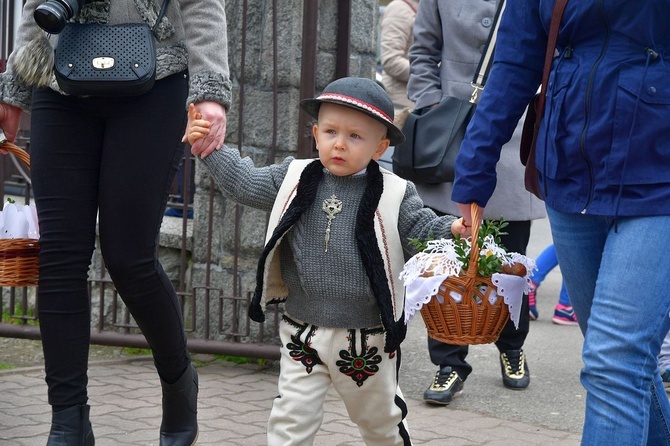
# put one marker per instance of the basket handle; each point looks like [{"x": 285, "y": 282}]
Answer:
[
  {"x": 17, "y": 151},
  {"x": 476, "y": 218}
]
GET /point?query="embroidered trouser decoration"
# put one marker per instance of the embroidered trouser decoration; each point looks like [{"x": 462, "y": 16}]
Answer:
[
  {"x": 302, "y": 351},
  {"x": 359, "y": 367}
]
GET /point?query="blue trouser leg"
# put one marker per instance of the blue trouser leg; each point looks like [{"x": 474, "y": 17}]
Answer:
[
  {"x": 563, "y": 298},
  {"x": 545, "y": 262},
  {"x": 620, "y": 296}
]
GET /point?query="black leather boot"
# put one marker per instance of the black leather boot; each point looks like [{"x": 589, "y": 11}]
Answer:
[
  {"x": 180, "y": 409},
  {"x": 71, "y": 427}
]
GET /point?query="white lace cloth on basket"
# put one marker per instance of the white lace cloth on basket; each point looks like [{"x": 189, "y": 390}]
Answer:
[{"x": 424, "y": 273}]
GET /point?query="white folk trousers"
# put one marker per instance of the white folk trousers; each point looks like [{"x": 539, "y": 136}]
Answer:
[{"x": 354, "y": 363}]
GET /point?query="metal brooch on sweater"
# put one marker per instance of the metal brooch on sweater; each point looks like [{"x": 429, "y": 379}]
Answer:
[{"x": 331, "y": 206}]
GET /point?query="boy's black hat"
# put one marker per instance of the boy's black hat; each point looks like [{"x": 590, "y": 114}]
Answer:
[{"x": 361, "y": 94}]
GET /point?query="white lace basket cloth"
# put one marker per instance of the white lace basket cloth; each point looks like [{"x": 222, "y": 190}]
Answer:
[{"x": 461, "y": 307}]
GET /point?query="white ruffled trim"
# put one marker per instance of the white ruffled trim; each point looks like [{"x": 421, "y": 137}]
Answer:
[
  {"x": 512, "y": 289},
  {"x": 419, "y": 293}
]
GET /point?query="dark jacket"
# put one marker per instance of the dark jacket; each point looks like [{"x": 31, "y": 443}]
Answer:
[{"x": 603, "y": 146}]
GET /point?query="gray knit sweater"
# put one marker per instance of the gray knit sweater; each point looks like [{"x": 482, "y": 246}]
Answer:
[{"x": 330, "y": 288}]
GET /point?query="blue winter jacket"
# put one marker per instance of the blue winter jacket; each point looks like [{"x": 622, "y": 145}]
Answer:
[{"x": 604, "y": 142}]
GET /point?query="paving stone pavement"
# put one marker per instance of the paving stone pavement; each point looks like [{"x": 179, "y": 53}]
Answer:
[{"x": 235, "y": 401}]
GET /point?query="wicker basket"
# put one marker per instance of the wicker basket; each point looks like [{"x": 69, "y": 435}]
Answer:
[
  {"x": 467, "y": 322},
  {"x": 18, "y": 256}
]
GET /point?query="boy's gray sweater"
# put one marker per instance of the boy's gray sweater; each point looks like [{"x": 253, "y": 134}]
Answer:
[{"x": 329, "y": 289}]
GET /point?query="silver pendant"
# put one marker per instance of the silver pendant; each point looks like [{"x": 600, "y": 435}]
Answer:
[{"x": 331, "y": 206}]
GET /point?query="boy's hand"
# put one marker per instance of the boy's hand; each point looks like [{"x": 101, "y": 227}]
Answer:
[
  {"x": 215, "y": 114},
  {"x": 197, "y": 128}
]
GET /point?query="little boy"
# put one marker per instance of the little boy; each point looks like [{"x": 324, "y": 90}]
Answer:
[{"x": 333, "y": 253}]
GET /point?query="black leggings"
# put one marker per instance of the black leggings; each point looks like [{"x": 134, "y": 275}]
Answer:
[{"x": 114, "y": 159}]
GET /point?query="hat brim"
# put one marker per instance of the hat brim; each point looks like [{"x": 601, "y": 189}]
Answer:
[{"x": 393, "y": 133}]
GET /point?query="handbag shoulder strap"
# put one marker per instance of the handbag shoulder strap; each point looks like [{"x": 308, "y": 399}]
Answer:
[
  {"x": 556, "y": 16},
  {"x": 482, "y": 72},
  {"x": 161, "y": 13}
]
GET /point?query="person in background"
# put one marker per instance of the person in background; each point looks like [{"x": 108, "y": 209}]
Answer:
[
  {"x": 664, "y": 362},
  {"x": 396, "y": 38},
  {"x": 603, "y": 158},
  {"x": 108, "y": 163},
  {"x": 448, "y": 44},
  {"x": 563, "y": 312}
]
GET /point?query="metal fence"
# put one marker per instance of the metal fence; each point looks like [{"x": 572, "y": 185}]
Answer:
[{"x": 113, "y": 324}]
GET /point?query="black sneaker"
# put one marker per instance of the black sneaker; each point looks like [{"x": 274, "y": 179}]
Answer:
[
  {"x": 446, "y": 386},
  {"x": 515, "y": 374}
]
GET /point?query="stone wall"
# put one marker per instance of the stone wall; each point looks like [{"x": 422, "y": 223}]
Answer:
[{"x": 256, "y": 139}]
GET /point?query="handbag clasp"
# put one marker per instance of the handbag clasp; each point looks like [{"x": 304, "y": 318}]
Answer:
[{"x": 103, "y": 63}]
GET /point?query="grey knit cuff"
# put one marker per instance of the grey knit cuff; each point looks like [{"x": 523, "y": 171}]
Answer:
[
  {"x": 170, "y": 60},
  {"x": 210, "y": 86},
  {"x": 13, "y": 92}
]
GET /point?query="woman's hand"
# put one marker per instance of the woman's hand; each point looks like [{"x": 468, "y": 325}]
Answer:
[
  {"x": 215, "y": 113},
  {"x": 463, "y": 225},
  {"x": 10, "y": 117},
  {"x": 459, "y": 227}
]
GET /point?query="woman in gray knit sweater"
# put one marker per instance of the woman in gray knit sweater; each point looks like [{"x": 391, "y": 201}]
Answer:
[
  {"x": 333, "y": 253},
  {"x": 114, "y": 158}
]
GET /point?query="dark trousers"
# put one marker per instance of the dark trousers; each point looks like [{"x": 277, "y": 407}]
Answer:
[
  {"x": 441, "y": 354},
  {"x": 113, "y": 159}
]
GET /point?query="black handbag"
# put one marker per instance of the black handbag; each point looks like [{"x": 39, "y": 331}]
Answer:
[
  {"x": 434, "y": 135},
  {"x": 107, "y": 60},
  {"x": 432, "y": 139}
]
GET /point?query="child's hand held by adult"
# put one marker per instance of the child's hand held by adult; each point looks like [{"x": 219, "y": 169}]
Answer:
[
  {"x": 197, "y": 128},
  {"x": 215, "y": 113}
]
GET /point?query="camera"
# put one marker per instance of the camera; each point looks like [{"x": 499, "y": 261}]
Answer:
[{"x": 52, "y": 15}]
